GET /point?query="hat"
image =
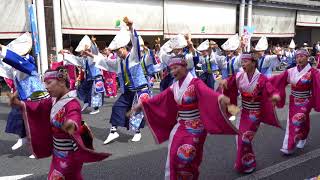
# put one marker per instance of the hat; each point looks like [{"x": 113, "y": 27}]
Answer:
[
  {"x": 22, "y": 45},
  {"x": 246, "y": 56},
  {"x": 203, "y": 46},
  {"x": 302, "y": 52},
  {"x": 166, "y": 47},
  {"x": 122, "y": 39},
  {"x": 292, "y": 44},
  {"x": 178, "y": 42},
  {"x": 177, "y": 60},
  {"x": 232, "y": 43},
  {"x": 262, "y": 44},
  {"x": 84, "y": 43},
  {"x": 141, "y": 42}
]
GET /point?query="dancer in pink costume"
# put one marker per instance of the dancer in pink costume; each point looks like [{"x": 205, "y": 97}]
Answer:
[
  {"x": 110, "y": 78},
  {"x": 54, "y": 127},
  {"x": 256, "y": 107},
  {"x": 181, "y": 115},
  {"x": 305, "y": 85}
]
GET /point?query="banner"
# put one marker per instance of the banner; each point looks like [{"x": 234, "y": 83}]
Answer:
[
  {"x": 34, "y": 29},
  {"x": 247, "y": 34}
]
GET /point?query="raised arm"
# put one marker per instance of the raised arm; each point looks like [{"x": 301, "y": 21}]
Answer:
[
  {"x": 16, "y": 61},
  {"x": 135, "y": 51},
  {"x": 105, "y": 63},
  {"x": 219, "y": 60},
  {"x": 72, "y": 59},
  {"x": 6, "y": 71}
]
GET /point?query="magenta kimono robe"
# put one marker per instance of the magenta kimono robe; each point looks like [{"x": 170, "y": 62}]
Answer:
[
  {"x": 184, "y": 115},
  {"x": 305, "y": 85},
  {"x": 44, "y": 119},
  {"x": 256, "y": 108}
]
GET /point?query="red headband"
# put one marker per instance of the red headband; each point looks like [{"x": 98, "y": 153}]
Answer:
[
  {"x": 247, "y": 57},
  {"x": 177, "y": 61},
  {"x": 61, "y": 74}
]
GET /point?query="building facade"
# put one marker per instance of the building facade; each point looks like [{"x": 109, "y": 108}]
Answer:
[{"x": 279, "y": 20}]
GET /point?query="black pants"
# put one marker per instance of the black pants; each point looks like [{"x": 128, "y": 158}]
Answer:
[{"x": 120, "y": 108}]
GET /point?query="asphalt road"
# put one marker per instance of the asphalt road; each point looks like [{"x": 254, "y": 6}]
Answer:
[{"x": 146, "y": 160}]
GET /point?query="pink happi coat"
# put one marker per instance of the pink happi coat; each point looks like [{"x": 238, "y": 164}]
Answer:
[
  {"x": 110, "y": 79},
  {"x": 256, "y": 108},
  {"x": 305, "y": 85},
  {"x": 43, "y": 120},
  {"x": 110, "y": 83},
  {"x": 184, "y": 115},
  {"x": 71, "y": 72}
]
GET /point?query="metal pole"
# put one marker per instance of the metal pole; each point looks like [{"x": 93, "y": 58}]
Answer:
[
  {"x": 57, "y": 27},
  {"x": 249, "y": 23},
  {"x": 42, "y": 36},
  {"x": 241, "y": 17}
]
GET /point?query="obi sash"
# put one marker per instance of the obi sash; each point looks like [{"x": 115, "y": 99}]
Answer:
[
  {"x": 251, "y": 105},
  {"x": 301, "y": 94},
  {"x": 64, "y": 144},
  {"x": 188, "y": 112}
]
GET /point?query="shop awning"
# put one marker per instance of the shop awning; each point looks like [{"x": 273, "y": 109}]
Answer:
[
  {"x": 14, "y": 19},
  {"x": 308, "y": 18},
  {"x": 200, "y": 19},
  {"x": 102, "y": 17},
  {"x": 272, "y": 22}
]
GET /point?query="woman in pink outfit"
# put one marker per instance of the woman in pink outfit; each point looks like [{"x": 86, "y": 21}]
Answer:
[
  {"x": 54, "y": 127},
  {"x": 305, "y": 85},
  {"x": 256, "y": 108},
  {"x": 181, "y": 114},
  {"x": 110, "y": 78}
]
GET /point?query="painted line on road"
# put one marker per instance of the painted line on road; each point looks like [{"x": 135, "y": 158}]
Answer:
[
  {"x": 266, "y": 172},
  {"x": 15, "y": 177}
]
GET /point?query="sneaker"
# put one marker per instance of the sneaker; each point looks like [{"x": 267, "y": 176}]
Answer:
[
  {"x": 232, "y": 118},
  {"x": 19, "y": 143},
  {"x": 94, "y": 112},
  {"x": 111, "y": 137},
  {"x": 136, "y": 137},
  {"x": 286, "y": 151},
  {"x": 248, "y": 171},
  {"x": 32, "y": 156},
  {"x": 84, "y": 107},
  {"x": 301, "y": 144}
]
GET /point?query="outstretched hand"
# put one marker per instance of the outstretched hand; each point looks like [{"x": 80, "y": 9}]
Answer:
[
  {"x": 224, "y": 100},
  {"x": 69, "y": 127},
  {"x": 223, "y": 84},
  {"x": 275, "y": 98},
  {"x": 13, "y": 99},
  {"x": 135, "y": 108},
  {"x": 128, "y": 22}
]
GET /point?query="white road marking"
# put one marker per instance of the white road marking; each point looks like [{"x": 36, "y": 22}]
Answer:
[
  {"x": 15, "y": 177},
  {"x": 266, "y": 172}
]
